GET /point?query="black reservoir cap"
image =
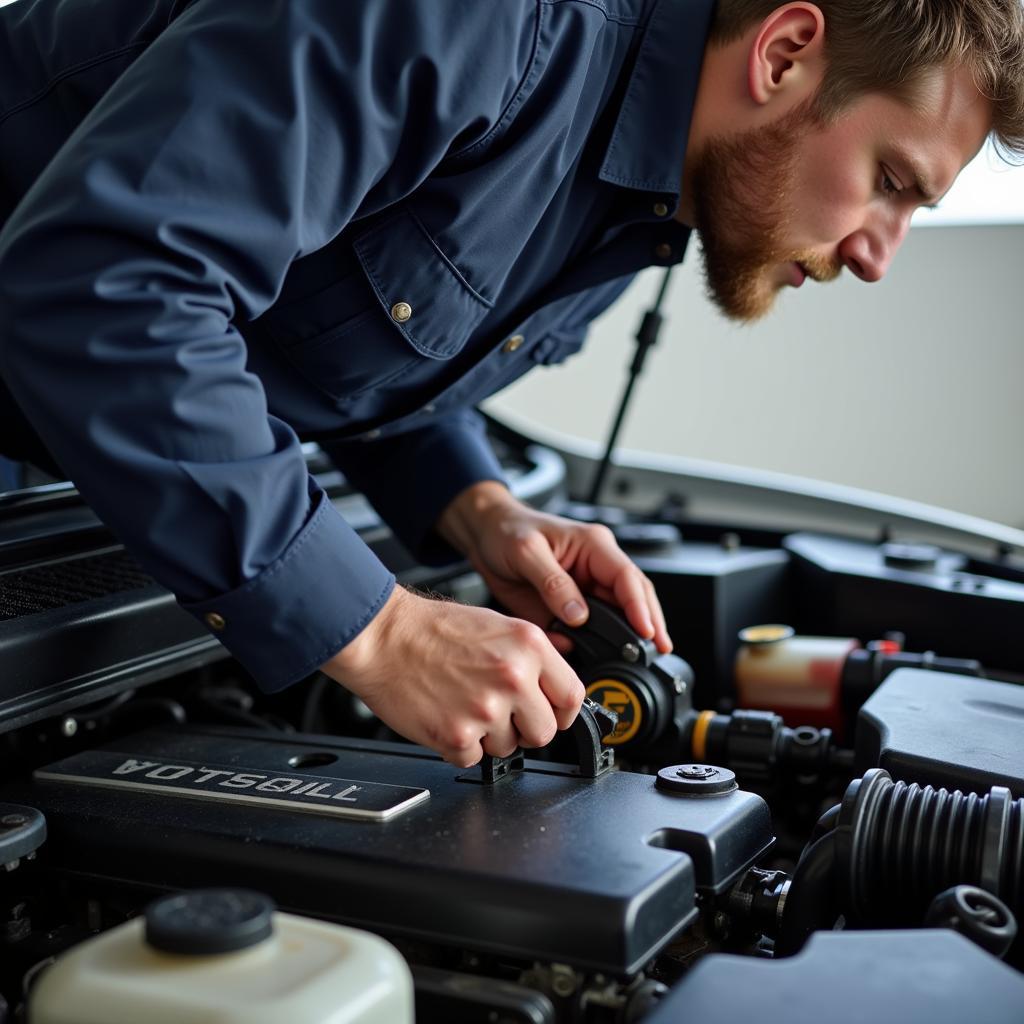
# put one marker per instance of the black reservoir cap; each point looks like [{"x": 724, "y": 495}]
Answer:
[
  {"x": 209, "y": 921},
  {"x": 697, "y": 780}
]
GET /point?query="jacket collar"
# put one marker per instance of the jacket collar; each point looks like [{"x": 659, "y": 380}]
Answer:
[{"x": 648, "y": 146}]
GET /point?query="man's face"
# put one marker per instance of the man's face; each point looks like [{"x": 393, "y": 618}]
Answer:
[{"x": 797, "y": 198}]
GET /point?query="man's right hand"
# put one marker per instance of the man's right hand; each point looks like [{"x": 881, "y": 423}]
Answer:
[{"x": 461, "y": 680}]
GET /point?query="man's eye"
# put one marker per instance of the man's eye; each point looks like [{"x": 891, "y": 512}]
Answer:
[{"x": 889, "y": 184}]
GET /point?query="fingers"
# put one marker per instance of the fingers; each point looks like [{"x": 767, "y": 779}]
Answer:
[
  {"x": 562, "y": 688},
  {"x": 502, "y": 738},
  {"x": 628, "y": 587},
  {"x": 455, "y": 736},
  {"x": 614, "y": 576},
  {"x": 531, "y": 693},
  {"x": 661, "y": 638},
  {"x": 553, "y": 695},
  {"x": 536, "y": 561},
  {"x": 462, "y": 680}
]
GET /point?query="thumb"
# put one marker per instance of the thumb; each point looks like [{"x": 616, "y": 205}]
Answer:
[{"x": 556, "y": 588}]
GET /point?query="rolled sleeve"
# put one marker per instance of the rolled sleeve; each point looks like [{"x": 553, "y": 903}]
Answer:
[{"x": 304, "y": 607}]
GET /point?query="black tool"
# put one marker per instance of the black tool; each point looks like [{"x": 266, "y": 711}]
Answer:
[{"x": 593, "y": 723}]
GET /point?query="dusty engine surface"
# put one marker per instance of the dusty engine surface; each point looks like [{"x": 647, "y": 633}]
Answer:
[{"x": 791, "y": 822}]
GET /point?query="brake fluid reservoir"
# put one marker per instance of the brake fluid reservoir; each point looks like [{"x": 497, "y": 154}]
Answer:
[{"x": 224, "y": 955}]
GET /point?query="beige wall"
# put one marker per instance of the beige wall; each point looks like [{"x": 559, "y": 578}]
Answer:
[{"x": 912, "y": 387}]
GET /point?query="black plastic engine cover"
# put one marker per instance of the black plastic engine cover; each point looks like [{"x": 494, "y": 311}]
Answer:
[
  {"x": 915, "y": 977},
  {"x": 855, "y": 588},
  {"x": 541, "y": 865},
  {"x": 956, "y": 732}
]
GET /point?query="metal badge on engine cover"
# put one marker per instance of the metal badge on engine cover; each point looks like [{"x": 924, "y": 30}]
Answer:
[{"x": 318, "y": 794}]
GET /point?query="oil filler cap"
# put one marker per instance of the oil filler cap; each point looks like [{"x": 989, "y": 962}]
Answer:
[
  {"x": 697, "y": 780},
  {"x": 209, "y": 921}
]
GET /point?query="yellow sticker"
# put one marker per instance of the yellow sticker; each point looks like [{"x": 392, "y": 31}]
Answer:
[{"x": 618, "y": 697}]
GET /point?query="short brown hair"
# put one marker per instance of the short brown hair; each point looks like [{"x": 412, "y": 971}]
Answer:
[{"x": 888, "y": 46}]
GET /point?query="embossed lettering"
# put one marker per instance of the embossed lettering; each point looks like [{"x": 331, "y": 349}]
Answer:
[
  {"x": 132, "y": 765},
  {"x": 345, "y": 794},
  {"x": 169, "y": 771},
  {"x": 278, "y": 785},
  {"x": 241, "y": 781}
]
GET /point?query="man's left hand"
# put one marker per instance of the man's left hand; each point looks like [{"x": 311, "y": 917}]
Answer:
[{"x": 539, "y": 565}]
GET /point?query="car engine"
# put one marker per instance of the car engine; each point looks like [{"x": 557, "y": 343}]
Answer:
[{"x": 814, "y": 810}]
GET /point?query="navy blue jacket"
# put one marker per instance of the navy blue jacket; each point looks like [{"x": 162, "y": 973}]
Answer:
[{"x": 234, "y": 223}]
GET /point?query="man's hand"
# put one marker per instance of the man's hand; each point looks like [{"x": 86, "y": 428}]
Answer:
[
  {"x": 539, "y": 565},
  {"x": 463, "y": 681}
]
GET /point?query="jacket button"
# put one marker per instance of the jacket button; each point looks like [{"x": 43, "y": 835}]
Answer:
[
  {"x": 215, "y": 621},
  {"x": 400, "y": 312},
  {"x": 513, "y": 344},
  {"x": 663, "y": 251},
  {"x": 660, "y": 210}
]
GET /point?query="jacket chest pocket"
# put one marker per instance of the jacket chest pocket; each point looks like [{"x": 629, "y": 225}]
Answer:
[{"x": 402, "y": 310}]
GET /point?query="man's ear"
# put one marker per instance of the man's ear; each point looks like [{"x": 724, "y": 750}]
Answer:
[{"x": 787, "y": 56}]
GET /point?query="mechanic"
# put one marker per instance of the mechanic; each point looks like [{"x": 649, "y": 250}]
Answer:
[{"x": 232, "y": 224}]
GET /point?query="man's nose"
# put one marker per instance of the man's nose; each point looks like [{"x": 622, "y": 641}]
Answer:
[{"x": 868, "y": 253}]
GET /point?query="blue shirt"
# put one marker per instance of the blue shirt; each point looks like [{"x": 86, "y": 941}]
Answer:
[{"x": 235, "y": 223}]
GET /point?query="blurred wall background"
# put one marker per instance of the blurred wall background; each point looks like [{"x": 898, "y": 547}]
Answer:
[{"x": 911, "y": 387}]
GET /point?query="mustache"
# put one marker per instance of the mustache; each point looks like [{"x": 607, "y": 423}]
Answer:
[{"x": 819, "y": 268}]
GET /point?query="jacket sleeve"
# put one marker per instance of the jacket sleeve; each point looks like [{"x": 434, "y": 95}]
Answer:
[
  {"x": 436, "y": 463},
  {"x": 247, "y": 135}
]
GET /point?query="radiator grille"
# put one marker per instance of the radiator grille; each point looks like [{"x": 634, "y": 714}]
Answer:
[{"x": 45, "y": 587}]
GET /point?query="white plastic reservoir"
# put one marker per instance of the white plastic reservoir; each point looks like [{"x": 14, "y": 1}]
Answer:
[{"x": 225, "y": 957}]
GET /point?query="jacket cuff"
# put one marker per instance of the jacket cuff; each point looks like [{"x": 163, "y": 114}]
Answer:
[{"x": 283, "y": 624}]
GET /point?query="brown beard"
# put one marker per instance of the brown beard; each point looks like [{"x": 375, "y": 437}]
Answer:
[{"x": 743, "y": 196}]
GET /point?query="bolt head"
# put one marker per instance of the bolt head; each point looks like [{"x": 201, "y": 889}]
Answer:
[
  {"x": 696, "y": 771},
  {"x": 69, "y": 727},
  {"x": 630, "y": 653}
]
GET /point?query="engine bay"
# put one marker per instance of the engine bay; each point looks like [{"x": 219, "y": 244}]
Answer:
[{"x": 815, "y": 807}]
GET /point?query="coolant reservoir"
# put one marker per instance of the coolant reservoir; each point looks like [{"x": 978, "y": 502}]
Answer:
[
  {"x": 798, "y": 677},
  {"x": 223, "y": 956}
]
